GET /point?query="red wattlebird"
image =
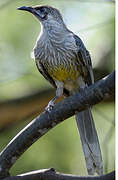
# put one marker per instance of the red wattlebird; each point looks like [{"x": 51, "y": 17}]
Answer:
[{"x": 64, "y": 61}]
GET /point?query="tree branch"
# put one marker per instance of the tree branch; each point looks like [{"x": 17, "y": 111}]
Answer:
[
  {"x": 30, "y": 105},
  {"x": 94, "y": 94},
  {"x": 51, "y": 174}
]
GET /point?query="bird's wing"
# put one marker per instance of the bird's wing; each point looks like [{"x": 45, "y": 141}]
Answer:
[
  {"x": 85, "y": 61},
  {"x": 45, "y": 74},
  {"x": 43, "y": 71}
]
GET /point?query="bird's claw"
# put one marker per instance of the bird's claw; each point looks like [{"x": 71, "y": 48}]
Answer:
[{"x": 49, "y": 107}]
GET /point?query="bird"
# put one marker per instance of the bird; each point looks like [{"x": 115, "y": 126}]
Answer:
[{"x": 62, "y": 58}]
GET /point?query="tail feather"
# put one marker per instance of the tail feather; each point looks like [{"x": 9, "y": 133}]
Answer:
[{"x": 90, "y": 142}]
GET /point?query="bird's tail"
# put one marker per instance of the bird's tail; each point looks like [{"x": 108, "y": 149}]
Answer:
[{"x": 90, "y": 142}]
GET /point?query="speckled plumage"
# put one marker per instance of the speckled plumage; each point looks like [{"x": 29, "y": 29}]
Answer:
[{"x": 58, "y": 56}]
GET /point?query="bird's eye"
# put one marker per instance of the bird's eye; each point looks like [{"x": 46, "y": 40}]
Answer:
[{"x": 42, "y": 10}]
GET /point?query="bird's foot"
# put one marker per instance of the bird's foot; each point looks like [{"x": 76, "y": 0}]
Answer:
[{"x": 49, "y": 106}]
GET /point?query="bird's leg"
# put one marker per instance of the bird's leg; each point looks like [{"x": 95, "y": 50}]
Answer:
[{"x": 59, "y": 93}]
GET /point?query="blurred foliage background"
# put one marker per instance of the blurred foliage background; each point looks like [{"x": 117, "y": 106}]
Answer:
[{"x": 24, "y": 93}]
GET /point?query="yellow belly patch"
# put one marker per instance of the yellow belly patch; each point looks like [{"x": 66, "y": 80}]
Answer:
[{"x": 61, "y": 74}]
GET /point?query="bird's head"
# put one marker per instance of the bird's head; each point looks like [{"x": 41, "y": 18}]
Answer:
[{"x": 45, "y": 14}]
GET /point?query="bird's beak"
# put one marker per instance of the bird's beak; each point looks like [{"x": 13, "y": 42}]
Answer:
[
  {"x": 24, "y": 8},
  {"x": 32, "y": 10}
]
